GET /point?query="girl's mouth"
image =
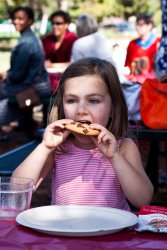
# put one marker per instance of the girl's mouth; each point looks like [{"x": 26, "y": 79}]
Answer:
[{"x": 85, "y": 121}]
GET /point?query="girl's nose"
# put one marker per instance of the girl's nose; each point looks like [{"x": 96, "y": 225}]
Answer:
[{"x": 82, "y": 109}]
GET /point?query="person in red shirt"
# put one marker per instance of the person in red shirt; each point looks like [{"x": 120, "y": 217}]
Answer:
[
  {"x": 58, "y": 44},
  {"x": 141, "y": 51}
]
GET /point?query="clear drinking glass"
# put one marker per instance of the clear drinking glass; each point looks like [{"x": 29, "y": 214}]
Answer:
[{"x": 15, "y": 196}]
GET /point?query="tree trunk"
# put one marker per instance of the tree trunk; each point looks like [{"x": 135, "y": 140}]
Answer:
[
  {"x": 62, "y": 4},
  {"x": 36, "y": 6},
  {"x": 6, "y": 8}
]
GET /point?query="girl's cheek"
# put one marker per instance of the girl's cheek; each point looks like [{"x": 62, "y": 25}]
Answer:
[{"x": 68, "y": 113}]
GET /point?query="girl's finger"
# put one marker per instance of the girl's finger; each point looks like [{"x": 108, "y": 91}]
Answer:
[
  {"x": 106, "y": 137},
  {"x": 101, "y": 135},
  {"x": 59, "y": 123}
]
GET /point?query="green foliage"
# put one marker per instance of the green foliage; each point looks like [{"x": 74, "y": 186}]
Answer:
[
  {"x": 98, "y": 8},
  {"x": 3, "y": 9},
  {"x": 121, "y": 8},
  {"x": 133, "y": 7},
  {"x": 155, "y": 10}
]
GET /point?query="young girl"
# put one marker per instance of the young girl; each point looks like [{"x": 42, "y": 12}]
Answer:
[{"x": 102, "y": 170}]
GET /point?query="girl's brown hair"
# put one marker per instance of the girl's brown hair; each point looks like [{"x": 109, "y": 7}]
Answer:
[{"x": 106, "y": 71}]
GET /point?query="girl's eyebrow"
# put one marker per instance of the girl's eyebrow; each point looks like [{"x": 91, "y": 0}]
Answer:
[
  {"x": 69, "y": 95},
  {"x": 98, "y": 95},
  {"x": 90, "y": 95}
]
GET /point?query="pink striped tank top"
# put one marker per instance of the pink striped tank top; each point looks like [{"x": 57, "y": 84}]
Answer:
[{"x": 85, "y": 177}]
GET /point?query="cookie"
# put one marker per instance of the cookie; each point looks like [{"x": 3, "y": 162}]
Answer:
[{"x": 82, "y": 128}]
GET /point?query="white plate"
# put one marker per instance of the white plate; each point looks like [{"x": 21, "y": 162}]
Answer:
[{"x": 76, "y": 220}]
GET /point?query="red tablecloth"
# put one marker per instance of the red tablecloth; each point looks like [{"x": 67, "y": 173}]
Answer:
[{"x": 17, "y": 237}]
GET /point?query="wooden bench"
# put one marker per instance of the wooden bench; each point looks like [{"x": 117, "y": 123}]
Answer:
[{"x": 10, "y": 160}]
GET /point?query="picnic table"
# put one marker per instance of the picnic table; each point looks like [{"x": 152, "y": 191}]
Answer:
[
  {"x": 10, "y": 160},
  {"x": 15, "y": 236}
]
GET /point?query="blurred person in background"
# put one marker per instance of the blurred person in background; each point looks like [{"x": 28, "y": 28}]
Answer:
[
  {"x": 119, "y": 56},
  {"x": 141, "y": 51},
  {"x": 26, "y": 69},
  {"x": 161, "y": 73},
  {"x": 91, "y": 42},
  {"x": 58, "y": 44},
  {"x": 161, "y": 56}
]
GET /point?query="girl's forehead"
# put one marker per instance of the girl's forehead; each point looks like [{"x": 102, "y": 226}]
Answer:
[{"x": 88, "y": 82}]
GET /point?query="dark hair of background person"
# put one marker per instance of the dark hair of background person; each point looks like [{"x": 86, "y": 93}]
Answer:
[
  {"x": 63, "y": 14},
  {"x": 146, "y": 18},
  {"x": 28, "y": 10},
  {"x": 118, "y": 121}
]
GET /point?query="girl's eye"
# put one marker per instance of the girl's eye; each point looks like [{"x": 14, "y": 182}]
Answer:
[
  {"x": 69, "y": 101},
  {"x": 94, "y": 101}
]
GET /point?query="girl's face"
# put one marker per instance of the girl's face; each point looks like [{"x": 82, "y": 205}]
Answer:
[
  {"x": 21, "y": 21},
  {"x": 86, "y": 98}
]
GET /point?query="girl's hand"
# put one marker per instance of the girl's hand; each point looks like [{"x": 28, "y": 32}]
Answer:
[
  {"x": 105, "y": 141},
  {"x": 55, "y": 133}
]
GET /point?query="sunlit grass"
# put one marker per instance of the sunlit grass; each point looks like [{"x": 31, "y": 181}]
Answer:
[{"x": 4, "y": 60}]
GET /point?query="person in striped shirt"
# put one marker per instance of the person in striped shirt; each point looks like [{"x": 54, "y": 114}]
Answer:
[{"x": 104, "y": 170}]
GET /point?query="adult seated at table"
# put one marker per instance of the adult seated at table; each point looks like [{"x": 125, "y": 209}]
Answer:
[
  {"x": 142, "y": 50},
  {"x": 91, "y": 42},
  {"x": 58, "y": 44},
  {"x": 26, "y": 68}
]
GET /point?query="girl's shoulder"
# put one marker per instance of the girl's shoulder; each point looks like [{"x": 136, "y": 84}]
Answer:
[{"x": 127, "y": 145}]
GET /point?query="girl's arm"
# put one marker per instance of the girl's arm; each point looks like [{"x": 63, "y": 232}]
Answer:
[
  {"x": 127, "y": 164},
  {"x": 38, "y": 164},
  {"x": 131, "y": 174}
]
